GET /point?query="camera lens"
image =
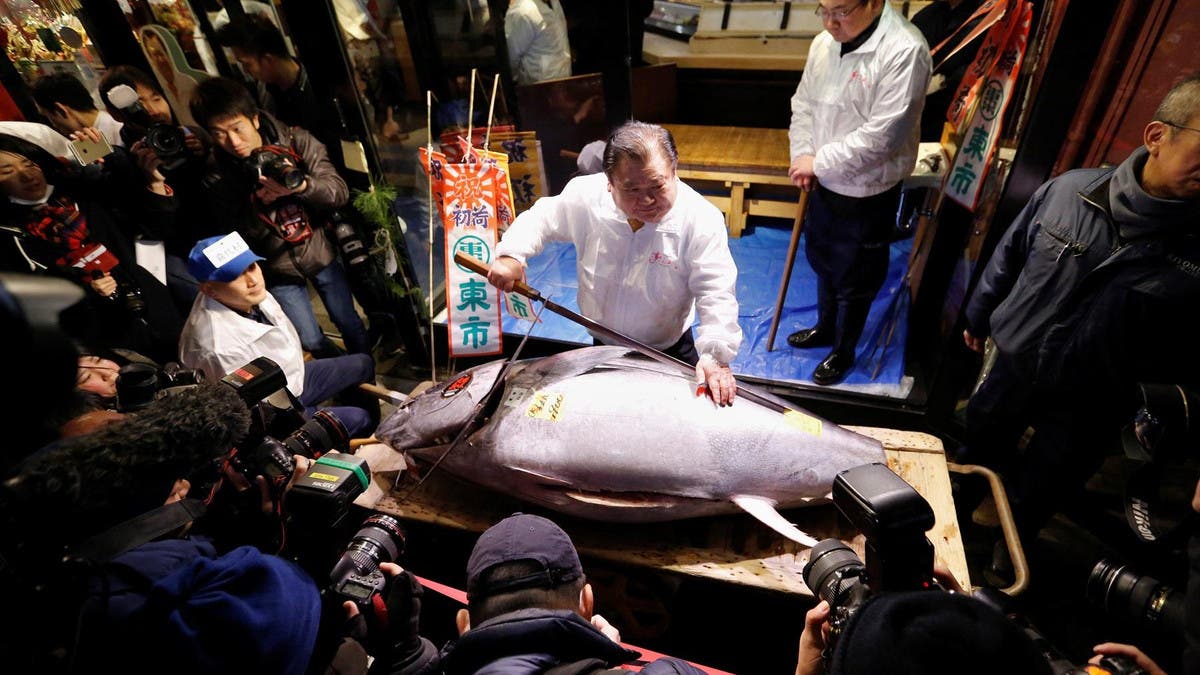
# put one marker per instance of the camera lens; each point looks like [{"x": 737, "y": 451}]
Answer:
[
  {"x": 137, "y": 385},
  {"x": 319, "y": 435},
  {"x": 825, "y": 560},
  {"x": 380, "y": 539},
  {"x": 1143, "y": 599},
  {"x": 165, "y": 140}
]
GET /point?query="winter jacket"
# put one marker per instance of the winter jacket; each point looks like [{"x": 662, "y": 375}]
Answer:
[
  {"x": 1071, "y": 241},
  {"x": 234, "y": 203},
  {"x": 534, "y": 641}
]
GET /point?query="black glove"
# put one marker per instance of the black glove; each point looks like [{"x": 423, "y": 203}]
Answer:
[{"x": 395, "y": 639}]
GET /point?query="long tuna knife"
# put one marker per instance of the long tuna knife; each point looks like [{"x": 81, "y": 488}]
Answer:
[{"x": 532, "y": 293}]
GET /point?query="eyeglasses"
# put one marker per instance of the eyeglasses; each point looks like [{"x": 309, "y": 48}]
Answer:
[
  {"x": 1180, "y": 126},
  {"x": 837, "y": 14}
]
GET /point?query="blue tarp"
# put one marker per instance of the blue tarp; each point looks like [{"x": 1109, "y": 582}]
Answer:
[{"x": 759, "y": 255}]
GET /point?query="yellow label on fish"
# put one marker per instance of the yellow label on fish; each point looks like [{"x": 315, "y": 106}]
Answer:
[
  {"x": 546, "y": 406},
  {"x": 806, "y": 423}
]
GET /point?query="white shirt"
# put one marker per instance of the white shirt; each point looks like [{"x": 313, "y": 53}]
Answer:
[
  {"x": 218, "y": 340},
  {"x": 536, "y": 34},
  {"x": 647, "y": 284},
  {"x": 859, "y": 114},
  {"x": 110, "y": 128}
]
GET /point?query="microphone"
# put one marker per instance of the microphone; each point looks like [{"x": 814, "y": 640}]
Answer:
[{"x": 86, "y": 484}]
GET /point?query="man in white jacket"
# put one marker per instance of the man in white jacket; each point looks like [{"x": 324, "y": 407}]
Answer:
[
  {"x": 853, "y": 138},
  {"x": 234, "y": 320},
  {"x": 536, "y": 33},
  {"x": 651, "y": 253}
]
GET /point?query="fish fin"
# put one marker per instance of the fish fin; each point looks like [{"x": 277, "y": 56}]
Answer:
[
  {"x": 630, "y": 500},
  {"x": 541, "y": 476},
  {"x": 764, "y": 510}
]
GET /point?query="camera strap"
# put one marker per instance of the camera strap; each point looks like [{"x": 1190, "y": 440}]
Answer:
[{"x": 139, "y": 530}]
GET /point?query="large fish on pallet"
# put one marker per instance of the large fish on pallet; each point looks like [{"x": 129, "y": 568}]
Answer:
[{"x": 606, "y": 434}]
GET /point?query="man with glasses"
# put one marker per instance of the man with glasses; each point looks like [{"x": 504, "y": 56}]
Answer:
[
  {"x": 853, "y": 137},
  {"x": 1093, "y": 289}
]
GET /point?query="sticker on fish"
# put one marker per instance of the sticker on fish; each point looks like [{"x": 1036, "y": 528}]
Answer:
[
  {"x": 546, "y": 406},
  {"x": 805, "y": 423}
]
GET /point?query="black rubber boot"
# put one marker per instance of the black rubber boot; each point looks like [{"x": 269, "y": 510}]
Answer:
[
  {"x": 820, "y": 335},
  {"x": 852, "y": 316}
]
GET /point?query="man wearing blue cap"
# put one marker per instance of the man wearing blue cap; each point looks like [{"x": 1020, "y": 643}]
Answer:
[
  {"x": 529, "y": 610},
  {"x": 234, "y": 320}
]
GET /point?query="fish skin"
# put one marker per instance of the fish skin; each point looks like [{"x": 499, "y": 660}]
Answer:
[{"x": 617, "y": 437}]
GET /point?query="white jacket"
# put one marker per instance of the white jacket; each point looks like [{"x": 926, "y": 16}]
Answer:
[
  {"x": 537, "y": 41},
  {"x": 218, "y": 340},
  {"x": 647, "y": 284},
  {"x": 859, "y": 114}
]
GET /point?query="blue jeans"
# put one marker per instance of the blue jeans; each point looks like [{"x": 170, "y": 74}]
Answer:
[
  {"x": 334, "y": 289},
  {"x": 326, "y": 378}
]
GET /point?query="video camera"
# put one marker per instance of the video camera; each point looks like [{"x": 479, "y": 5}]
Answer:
[
  {"x": 167, "y": 141},
  {"x": 276, "y": 163}
]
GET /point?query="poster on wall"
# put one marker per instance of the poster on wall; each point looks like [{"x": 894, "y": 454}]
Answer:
[{"x": 175, "y": 76}]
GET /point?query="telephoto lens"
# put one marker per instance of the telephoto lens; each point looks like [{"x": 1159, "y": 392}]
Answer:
[
  {"x": 356, "y": 575},
  {"x": 821, "y": 574},
  {"x": 1143, "y": 599},
  {"x": 319, "y": 435}
]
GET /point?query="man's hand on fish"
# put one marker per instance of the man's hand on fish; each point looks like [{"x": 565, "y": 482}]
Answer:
[
  {"x": 718, "y": 378},
  {"x": 505, "y": 273}
]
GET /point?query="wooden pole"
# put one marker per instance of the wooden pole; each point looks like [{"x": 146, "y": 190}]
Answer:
[{"x": 797, "y": 226}]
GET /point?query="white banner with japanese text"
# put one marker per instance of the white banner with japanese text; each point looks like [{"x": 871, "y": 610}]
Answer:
[{"x": 982, "y": 131}]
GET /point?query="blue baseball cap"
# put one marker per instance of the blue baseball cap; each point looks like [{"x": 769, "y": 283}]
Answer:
[
  {"x": 222, "y": 258},
  {"x": 522, "y": 537}
]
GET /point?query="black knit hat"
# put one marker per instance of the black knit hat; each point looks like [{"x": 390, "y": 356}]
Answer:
[{"x": 933, "y": 633}]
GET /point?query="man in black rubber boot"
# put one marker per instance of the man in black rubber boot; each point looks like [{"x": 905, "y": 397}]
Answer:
[{"x": 853, "y": 139}]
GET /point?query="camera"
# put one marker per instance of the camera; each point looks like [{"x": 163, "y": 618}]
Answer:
[
  {"x": 356, "y": 575},
  {"x": 139, "y": 384},
  {"x": 894, "y": 518},
  {"x": 1145, "y": 600},
  {"x": 354, "y": 251},
  {"x": 167, "y": 141},
  {"x": 276, "y": 163}
]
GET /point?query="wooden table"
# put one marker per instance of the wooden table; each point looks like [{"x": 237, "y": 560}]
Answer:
[
  {"x": 740, "y": 160},
  {"x": 735, "y": 548}
]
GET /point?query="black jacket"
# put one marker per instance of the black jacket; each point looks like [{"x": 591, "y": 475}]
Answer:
[
  {"x": 233, "y": 204},
  {"x": 535, "y": 641},
  {"x": 1064, "y": 249}
]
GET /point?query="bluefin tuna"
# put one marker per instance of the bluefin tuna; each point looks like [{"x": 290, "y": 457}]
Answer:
[{"x": 607, "y": 434}]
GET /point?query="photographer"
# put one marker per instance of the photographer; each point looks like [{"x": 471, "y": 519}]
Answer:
[
  {"x": 925, "y": 632},
  {"x": 73, "y": 222},
  {"x": 63, "y": 100},
  {"x": 278, "y": 188},
  {"x": 136, "y": 592},
  {"x": 185, "y": 153}
]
